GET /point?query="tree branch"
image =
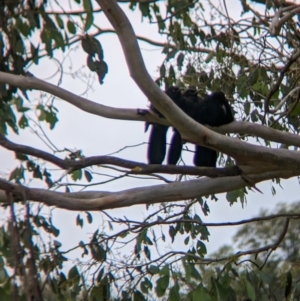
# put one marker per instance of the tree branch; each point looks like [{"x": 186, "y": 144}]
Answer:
[
  {"x": 136, "y": 167},
  {"x": 173, "y": 192},
  {"x": 258, "y": 130},
  {"x": 241, "y": 127},
  {"x": 28, "y": 82}
]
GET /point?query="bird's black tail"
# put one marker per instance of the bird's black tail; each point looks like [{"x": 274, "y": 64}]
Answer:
[
  {"x": 205, "y": 157},
  {"x": 157, "y": 144},
  {"x": 175, "y": 148}
]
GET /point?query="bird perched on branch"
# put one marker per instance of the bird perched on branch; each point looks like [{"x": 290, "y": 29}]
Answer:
[{"x": 213, "y": 110}]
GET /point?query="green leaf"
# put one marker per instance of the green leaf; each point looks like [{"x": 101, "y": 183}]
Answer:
[
  {"x": 57, "y": 244},
  {"x": 88, "y": 176},
  {"x": 201, "y": 248},
  {"x": 102, "y": 70},
  {"x": 186, "y": 241},
  {"x": 160, "y": 22},
  {"x": 146, "y": 285},
  {"x": 187, "y": 21},
  {"x": 19, "y": 46},
  {"x": 250, "y": 291},
  {"x": 165, "y": 271},
  {"x": 144, "y": 8},
  {"x": 71, "y": 27},
  {"x": 161, "y": 285},
  {"x": 73, "y": 273},
  {"x": 17, "y": 174},
  {"x": 147, "y": 252},
  {"x": 88, "y": 21},
  {"x": 138, "y": 296},
  {"x": 87, "y": 45},
  {"x": 265, "y": 277},
  {"x": 172, "y": 232},
  {"x": 87, "y": 5},
  {"x": 79, "y": 221},
  {"x": 59, "y": 21},
  {"x": 200, "y": 294},
  {"x": 153, "y": 269},
  {"x": 91, "y": 63},
  {"x": 23, "y": 27},
  {"x": 23, "y": 122},
  {"x": 3, "y": 275},
  {"x": 21, "y": 156},
  {"x": 174, "y": 294},
  {"x": 180, "y": 59},
  {"x": 254, "y": 77},
  {"x": 232, "y": 196},
  {"x": 97, "y": 250},
  {"x": 89, "y": 217},
  {"x": 194, "y": 272},
  {"x": 76, "y": 175},
  {"x": 34, "y": 53},
  {"x": 289, "y": 284}
]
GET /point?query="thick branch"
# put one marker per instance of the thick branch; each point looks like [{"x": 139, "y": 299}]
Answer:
[
  {"x": 77, "y": 101},
  {"x": 258, "y": 130},
  {"x": 143, "y": 195}
]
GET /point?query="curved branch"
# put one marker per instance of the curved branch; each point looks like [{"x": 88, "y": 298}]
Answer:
[
  {"x": 29, "y": 82},
  {"x": 136, "y": 167},
  {"x": 282, "y": 73},
  {"x": 142, "y": 195}
]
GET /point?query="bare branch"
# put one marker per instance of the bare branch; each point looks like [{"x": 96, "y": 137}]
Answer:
[
  {"x": 276, "y": 86},
  {"x": 258, "y": 130},
  {"x": 82, "y": 103},
  {"x": 277, "y": 23},
  {"x": 134, "y": 166},
  {"x": 144, "y": 195}
]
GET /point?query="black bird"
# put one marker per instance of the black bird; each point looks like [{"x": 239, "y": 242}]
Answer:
[
  {"x": 213, "y": 110},
  {"x": 158, "y": 134}
]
